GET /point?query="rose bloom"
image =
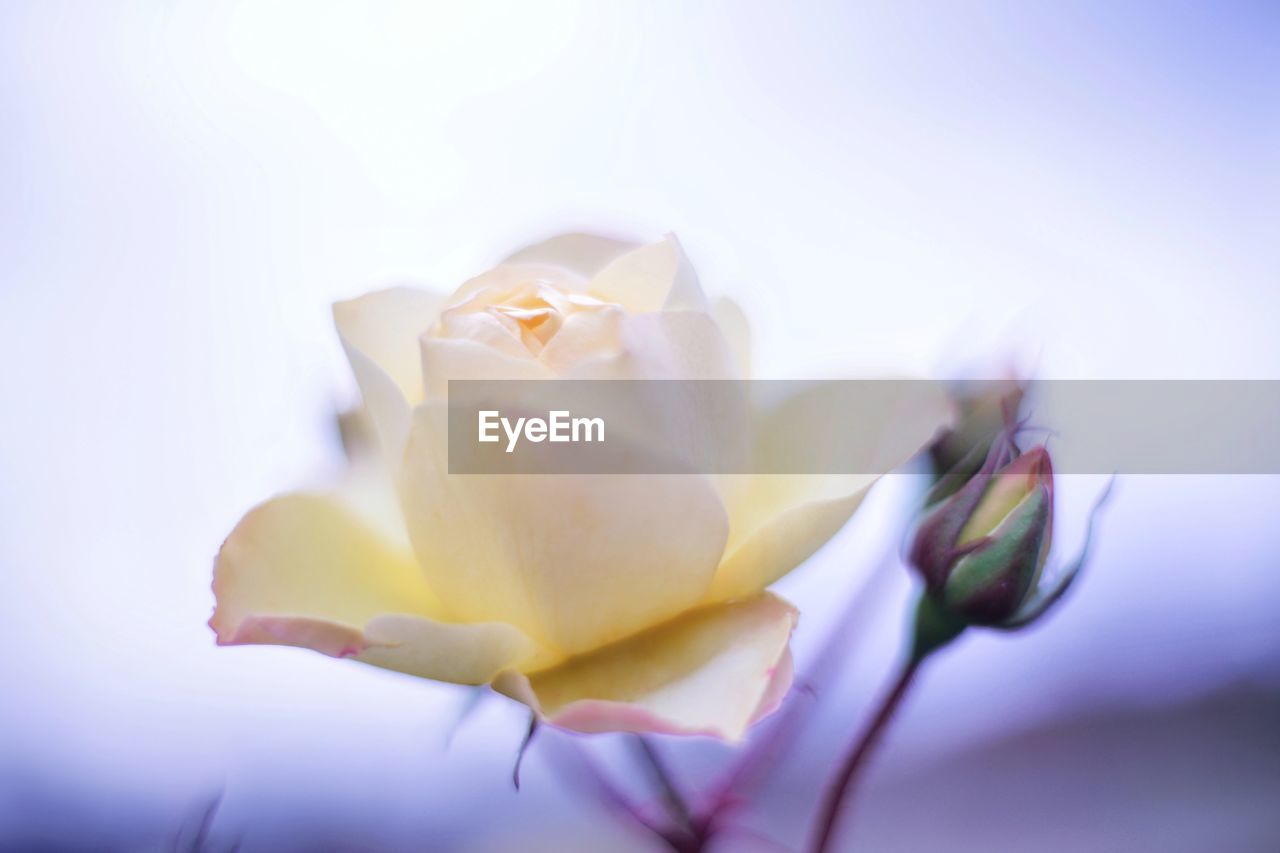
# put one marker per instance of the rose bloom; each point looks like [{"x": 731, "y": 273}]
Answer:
[{"x": 603, "y": 602}]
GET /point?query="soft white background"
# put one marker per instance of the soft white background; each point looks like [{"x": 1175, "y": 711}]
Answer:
[{"x": 931, "y": 188}]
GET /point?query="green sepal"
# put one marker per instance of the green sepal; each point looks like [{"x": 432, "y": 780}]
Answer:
[
  {"x": 1049, "y": 593},
  {"x": 934, "y": 627},
  {"x": 989, "y": 584}
]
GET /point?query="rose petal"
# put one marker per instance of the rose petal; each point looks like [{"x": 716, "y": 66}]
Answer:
[
  {"x": 586, "y": 336},
  {"x": 458, "y": 358},
  {"x": 509, "y": 277},
  {"x": 445, "y": 651},
  {"x": 656, "y": 277},
  {"x": 682, "y": 345},
  {"x": 681, "y": 423},
  {"x": 777, "y": 521},
  {"x": 575, "y": 561},
  {"x": 737, "y": 331},
  {"x": 712, "y": 671},
  {"x": 781, "y": 521},
  {"x": 489, "y": 328},
  {"x": 379, "y": 333},
  {"x": 305, "y": 570}
]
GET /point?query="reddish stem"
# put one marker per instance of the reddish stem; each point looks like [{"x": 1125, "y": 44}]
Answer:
[
  {"x": 689, "y": 835},
  {"x": 842, "y": 784}
]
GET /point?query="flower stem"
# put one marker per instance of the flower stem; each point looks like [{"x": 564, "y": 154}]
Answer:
[
  {"x": 599, "y": 783},
  {"x": 934, "y": 627},
  {"x": 690, "y": 834},
  {"x": 829, "y": 816}
]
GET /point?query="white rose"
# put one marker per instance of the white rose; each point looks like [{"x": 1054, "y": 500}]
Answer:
[{"x": 605, "y": 603}]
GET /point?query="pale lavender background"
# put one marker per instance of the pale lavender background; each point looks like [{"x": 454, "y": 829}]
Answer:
[{"x": 185, "y": 187}]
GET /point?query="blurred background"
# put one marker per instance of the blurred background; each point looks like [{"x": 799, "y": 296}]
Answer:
[{"x": 1089, "y": 189}]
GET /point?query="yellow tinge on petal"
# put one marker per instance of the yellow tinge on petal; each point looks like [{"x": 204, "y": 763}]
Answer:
[
  {"x": 379, "y": 333},
  {"x": 656, "y": 277},
  {"x": 305, "y": 570},
  {"x": 778, "y": 520},
  {"x": 711, "y": 671},
  {"x": 604, "y": 602},
  {"x": 575, "y": 561}
]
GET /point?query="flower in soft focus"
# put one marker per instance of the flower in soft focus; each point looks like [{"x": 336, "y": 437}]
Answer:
[
  {"x": 603, "y": 602},
  {"x": 982, "y": 549},
  {"x": 983, "y": 411}
]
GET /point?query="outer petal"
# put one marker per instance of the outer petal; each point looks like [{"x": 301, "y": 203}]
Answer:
[
  {"x": 712, "y": 671},
  {"x": 575, "y": 561},
  {"x": 778, "y": 520},
  {"x": 662, "y": 345},
  {"x": 737, "y": 331},
  {"x": 305, "y": 570},
  {"x": 683, "y": 422},
  {"x": 781, "y": 520},
  {"x": 458, "y": 358},
  {"x": 586, "y": 337},
  {"x": 656, "y": 277},
  {"x": 379, "y": 333},
  {"x": 677, "y": 345}
]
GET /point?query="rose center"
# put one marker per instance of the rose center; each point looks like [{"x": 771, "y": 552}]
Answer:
[
  {"x": 536, "y": 313},
  {"x": 526, "y": 313}
]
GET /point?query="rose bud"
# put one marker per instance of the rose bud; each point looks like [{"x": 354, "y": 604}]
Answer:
[
  {"x": 983, "y": 413},
  {"x": 981, "y": 550}
]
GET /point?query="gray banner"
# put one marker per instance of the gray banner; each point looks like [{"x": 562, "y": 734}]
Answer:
[{"x": 849, "y": 427}]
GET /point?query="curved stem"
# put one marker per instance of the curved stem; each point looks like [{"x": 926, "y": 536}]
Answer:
[
  {"x": 690, "y": 833},
  {"x": 829, "y": 815},
  {"x": 675, "y": 801},
  {"x": 598, "y": 783}
]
